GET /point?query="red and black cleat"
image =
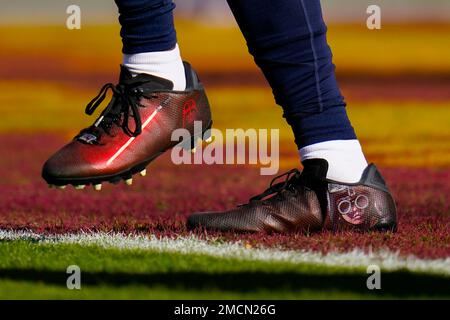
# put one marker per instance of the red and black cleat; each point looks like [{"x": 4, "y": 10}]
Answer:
[
  {"x": 134, "y": 129},
  {"x": 308, "y": 202}
]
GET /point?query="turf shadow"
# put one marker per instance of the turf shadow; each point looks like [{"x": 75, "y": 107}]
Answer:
[{"x": 398, "y": 283}]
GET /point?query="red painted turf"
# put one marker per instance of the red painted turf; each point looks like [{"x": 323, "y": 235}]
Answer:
[
  {"x": 397, "y": 88},
  {"x": 160, "y": 202}
]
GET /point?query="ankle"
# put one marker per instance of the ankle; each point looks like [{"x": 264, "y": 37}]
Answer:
[
  {"x": 346, "y": 161},
  {"x": 164, "y": 64}
]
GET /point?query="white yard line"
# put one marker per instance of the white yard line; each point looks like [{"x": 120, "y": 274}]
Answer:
[{"x": 386, "y": 260}]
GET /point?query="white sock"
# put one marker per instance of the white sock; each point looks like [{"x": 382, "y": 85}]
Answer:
[
  {"x": 345, "y": 158},
  {"x": 164, "y": 64}
]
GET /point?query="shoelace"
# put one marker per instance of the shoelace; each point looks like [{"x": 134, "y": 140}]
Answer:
[
  {"x": 276, "y": 188},
  {"x": 125, "y": 97}
]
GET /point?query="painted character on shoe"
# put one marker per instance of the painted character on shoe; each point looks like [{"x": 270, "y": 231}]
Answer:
[{"x": 307, "y": 202}]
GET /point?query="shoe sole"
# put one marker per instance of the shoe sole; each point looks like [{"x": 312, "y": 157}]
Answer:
[{"x": 126, "y": 175}]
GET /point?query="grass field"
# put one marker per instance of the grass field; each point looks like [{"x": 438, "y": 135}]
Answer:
[
  {"x": 131, "y": 243},
  {"x": 142, "y": 267}
]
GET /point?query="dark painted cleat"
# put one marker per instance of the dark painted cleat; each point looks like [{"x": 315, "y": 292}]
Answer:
[
  {"x": 284, "y": 207},
  {"x": 309, "y": 202},
  {"x": 365, "y": 206},
  {"x": 134, "y": 129}
]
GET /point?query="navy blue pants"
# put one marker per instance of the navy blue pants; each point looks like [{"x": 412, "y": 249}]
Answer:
[{"x": 288, "y": 42}]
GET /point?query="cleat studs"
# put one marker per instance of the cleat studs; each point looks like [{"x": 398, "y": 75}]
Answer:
[
  {"x": 208, "y": 140},
  {"x": 98, "y": 187},
  {"x": 61, "y": 187},
  {"x": 80, "y": 186},
  {"x": 129, "y": 182},
  {"x": 143, "y": 173},
  {"x": 193, "y": 150}
]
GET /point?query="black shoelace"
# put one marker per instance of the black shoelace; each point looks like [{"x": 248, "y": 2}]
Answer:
[
  {"x": 289, "y": 183},
  {"x": 125, "y": 98}
]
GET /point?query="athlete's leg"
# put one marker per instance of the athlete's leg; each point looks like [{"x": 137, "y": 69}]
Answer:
[
  {"x": 157, "y": 93},
  {"x": 149, "y": 39},
  {"x": 288, "y": 42},
  {"x": 336, "y": 188}
]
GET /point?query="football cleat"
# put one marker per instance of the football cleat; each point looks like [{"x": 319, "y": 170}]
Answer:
[
  {"x": 306, "y": 201},
  {"x": 133, "y": 129}
]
